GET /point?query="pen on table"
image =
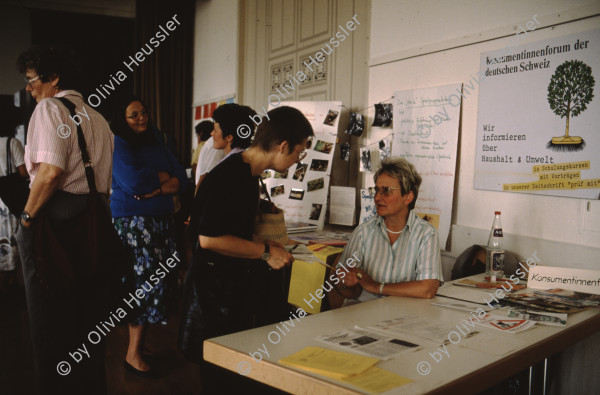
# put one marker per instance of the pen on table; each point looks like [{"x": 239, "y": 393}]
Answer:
[{"x": 293, "y": 248}]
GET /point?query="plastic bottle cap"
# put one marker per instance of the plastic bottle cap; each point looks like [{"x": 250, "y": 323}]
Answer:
[{"x": 497, "y": 213}]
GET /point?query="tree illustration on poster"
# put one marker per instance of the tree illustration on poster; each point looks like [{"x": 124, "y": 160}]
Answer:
[{"x": 571, "y": 88}]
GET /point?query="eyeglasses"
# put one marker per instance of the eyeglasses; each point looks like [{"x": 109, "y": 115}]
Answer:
[
  {"x": 29, "y": 81},
  {"x": 385, "y": 191},
  {"x": 136, "y": 114}
]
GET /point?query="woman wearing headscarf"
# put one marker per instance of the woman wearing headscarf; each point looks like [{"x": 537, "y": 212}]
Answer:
[{"x": 145, "y": 178}]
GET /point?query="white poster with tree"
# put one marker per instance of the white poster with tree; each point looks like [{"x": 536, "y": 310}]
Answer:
[{"x": 538, "y": 116}]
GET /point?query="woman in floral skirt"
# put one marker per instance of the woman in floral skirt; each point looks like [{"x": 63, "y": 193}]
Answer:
[{"x": 145, "y": 178}]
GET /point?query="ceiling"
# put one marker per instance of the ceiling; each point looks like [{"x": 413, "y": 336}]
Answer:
[{"x": 118, "y": 8}]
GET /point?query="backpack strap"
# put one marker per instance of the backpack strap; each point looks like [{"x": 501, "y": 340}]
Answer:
[
  {"x": 87, "y": 163},
  {"x": 8, "y": 158}
]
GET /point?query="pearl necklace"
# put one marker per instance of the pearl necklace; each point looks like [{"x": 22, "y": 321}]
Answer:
[{"x": 392, "y": 232}]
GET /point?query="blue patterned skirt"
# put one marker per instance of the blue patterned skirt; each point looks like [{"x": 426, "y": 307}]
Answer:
[{"x": 152, "y": 241}]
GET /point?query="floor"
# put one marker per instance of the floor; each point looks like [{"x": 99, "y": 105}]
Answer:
[{"x": 176, "y": 374}]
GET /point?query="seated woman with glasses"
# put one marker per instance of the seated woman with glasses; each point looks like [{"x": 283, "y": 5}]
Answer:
[{"x": 396, "y": 252}]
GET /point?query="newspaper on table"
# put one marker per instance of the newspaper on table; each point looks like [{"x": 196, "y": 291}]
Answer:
[
  {"x": 504, "y": 324},
  {"x": 414, "y": 325},
  {"x": 368, "y": 343},
  {"x": 461, "y": 305},
  {"x": 541, "y": 317}
]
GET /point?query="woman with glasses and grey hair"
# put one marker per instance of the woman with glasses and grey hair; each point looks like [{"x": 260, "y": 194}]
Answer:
[
  {"x": 396, "y": 252},
  {"x": 60, "y": 319}
]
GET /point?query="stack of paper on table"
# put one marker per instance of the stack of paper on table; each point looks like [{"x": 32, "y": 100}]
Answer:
[
  {"x": 469, "y": 294},
  {"x": 541, "y": 317},
  {"x": 541, "y": 302},
  {"x": 298, "y": 227},
  {"x": 465, "y": 282},
  {"x": 325, "y": 238},
  {"x": 570, "y": 297},
  {"x": 356, "y": 370}
]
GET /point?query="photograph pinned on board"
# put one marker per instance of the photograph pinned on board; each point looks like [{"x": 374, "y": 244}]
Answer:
[
  {"x": 319, "y": 165},
  {"x": 323, "y": 146},
  {"x": 313, "y": 185},
  {"x": 297, "y": 194},
  {"x": 385, "y": 148},
  {"x": 265, "y": 174},
  {"x": 383, "y": 115},
  {"x": 283, "y": 174},
  {"x": 365, "y": 159},
  {"x": 345, "y": 151},
  {"x": 315, "y": 212},
  {"x": 277, "y": 190},
  {"x": 356, "y": 126},
  {"x": 300, "y": 171},
  {"x": 330, "y": 118}
]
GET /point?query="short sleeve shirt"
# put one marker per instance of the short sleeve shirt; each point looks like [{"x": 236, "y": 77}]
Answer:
[
  {"x": 226, "y": 203},
  {"x": 16, "y": 155},
  {"x": 52, "y": 139},
  {"x": 415, "y": 255},
  {"x": 208, "y": 159}
]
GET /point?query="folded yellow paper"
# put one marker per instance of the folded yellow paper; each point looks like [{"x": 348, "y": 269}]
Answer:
[
  {"x": 376, "y": 380},
  {"x": 334, "y": 364}
]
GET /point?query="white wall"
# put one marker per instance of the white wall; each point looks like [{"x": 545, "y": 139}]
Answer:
[
  {"x": 215, "y": 50},
  {"x": 435, "y": 42}
]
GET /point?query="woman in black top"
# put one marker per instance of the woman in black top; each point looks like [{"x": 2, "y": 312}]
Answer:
[{"x": 233, "y": 267}]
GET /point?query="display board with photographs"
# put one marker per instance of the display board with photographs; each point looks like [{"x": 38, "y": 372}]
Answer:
[{"x": 301, "y": 191}]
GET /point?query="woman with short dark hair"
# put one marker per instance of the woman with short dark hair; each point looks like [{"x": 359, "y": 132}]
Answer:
[{"x": 232, "y": 271}]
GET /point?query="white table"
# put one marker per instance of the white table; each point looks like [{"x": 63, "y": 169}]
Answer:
[{"x": 466, "y": 371}]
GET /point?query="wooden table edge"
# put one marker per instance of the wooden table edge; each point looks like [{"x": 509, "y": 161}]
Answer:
[{"x": 275, "y": 375}]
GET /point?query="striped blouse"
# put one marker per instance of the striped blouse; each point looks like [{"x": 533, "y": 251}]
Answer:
[
  {"x": 47, "y": 144},
  {"x": 415, "y": 255}
]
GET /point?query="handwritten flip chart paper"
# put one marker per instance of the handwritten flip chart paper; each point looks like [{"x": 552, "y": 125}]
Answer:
[
  {"x": 307, "y": 203},
  {"x": 367, "y": 206},
  {"x": 526, "y": 142},
  {"x": 426, "y": 134}
]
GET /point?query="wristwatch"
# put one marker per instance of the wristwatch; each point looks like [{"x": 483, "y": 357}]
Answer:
[
  {"x": 266, "y": 255},
  {"x": 25, "y": 217}
]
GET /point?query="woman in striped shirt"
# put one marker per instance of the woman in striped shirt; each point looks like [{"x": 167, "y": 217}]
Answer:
[{"x": 397, "y": 253}]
